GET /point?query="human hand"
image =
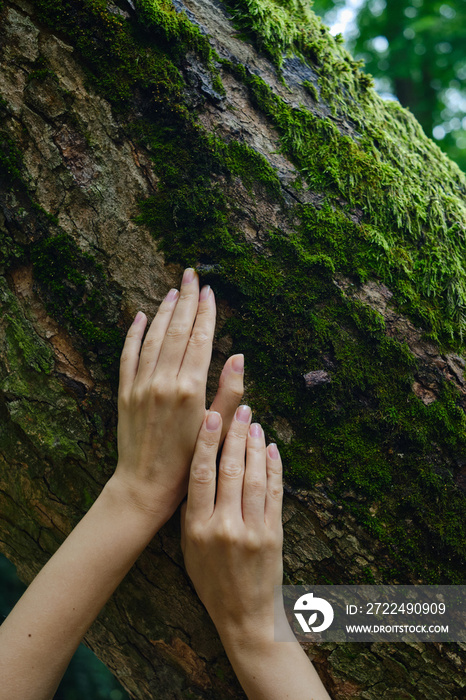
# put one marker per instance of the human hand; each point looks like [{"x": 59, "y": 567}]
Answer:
[
  {"x": 231, "y": 537},
  {"x": 232, "y": 530},
  {"x": 161, "y": 400}
]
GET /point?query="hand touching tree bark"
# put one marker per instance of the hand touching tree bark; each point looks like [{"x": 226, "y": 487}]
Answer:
[
  {"x": 161, "y": 402},
  {"x": 232, "y": 544}
]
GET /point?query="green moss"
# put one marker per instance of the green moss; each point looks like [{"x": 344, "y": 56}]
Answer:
[
  {"x": 41, "y": 74},
  {"x": 13, "y": 179},
  {"x": 238, "y": 158},
  {"x": 11, "y": 164},
  {"x": 122, "y": 57},
  {"x": 37, "y": 402},
  {"x": 412, "y": 219},
  {"x": 29, "y": 350},
  {"x": 36, "y": 354},
  {"x": 311, "y": 89},
  {"x": 287, "y": 28},
  {"x": 75, "y": 286},
  {"x": 10, "y": 251},
  {"x": 49, "y": 428},
  {"x": 176, "y": 28},
  {"x": 277, "y": 28},
  {"x": 88, "y": 499}
]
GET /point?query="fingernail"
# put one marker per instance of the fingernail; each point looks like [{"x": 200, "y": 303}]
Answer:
[
  {"x": 139, "y": 316},
  {"x": 213, "y": 421},
  {"x": 243, "y": 413},
  {"x": 238, "y": 364},
  {"x": 205, "y": 291},
  {"x": 172, "y": 295},
  {"x": 188, "y": 275},
  {"x": 255, "y": 430},
  {"x": 273, "y": 451}
]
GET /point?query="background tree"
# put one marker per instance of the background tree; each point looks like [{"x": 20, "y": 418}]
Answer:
[
  {"x": 138, "y": 138},
  {"x": 415, "y": 50}
]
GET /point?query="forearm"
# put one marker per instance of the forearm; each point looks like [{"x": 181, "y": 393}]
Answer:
[
  {"x": 269, "y": 670},
  {"x": 40, "y": 635}
]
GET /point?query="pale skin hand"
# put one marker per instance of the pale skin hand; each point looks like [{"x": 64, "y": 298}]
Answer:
[
  {"x": 161, "y": 402},
  {"x": 161, "y": 408},
  {"x": 232, "y": 545}
]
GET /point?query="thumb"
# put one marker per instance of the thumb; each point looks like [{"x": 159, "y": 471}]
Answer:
[{"x": 230, "y": 391}]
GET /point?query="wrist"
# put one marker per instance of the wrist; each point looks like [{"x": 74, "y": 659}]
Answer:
[
  {"x": 139, "y": 504},
  {"x": 268, "y": 669},
  {"x": 248, "y": 647},
  {"x": 255, "y": 632}
]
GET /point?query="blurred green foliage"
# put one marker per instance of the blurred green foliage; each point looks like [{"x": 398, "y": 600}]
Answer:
[
  {"x": 415, "y": 51},
  {"x": 86, "y": 677}
]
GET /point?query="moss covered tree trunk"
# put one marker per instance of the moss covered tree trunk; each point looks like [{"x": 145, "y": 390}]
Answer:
[{"x": 238, "y": 137}]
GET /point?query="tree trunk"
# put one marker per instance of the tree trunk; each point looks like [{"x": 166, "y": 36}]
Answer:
[{"x": 139, "y": 138}]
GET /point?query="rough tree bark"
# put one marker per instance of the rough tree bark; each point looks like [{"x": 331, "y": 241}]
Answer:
[{"x": 241, "y": 138}]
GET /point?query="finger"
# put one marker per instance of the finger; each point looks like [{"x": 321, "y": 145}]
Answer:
[
  {"x": 196, "y": 360},
  {"x": 201, "y": 489},
  {"x": 181, "y": 324},
  {"x": 230, "y": 391},
  {"x": 231, "y": 468},
  {"x": 155, "y": 335},
  {"x": 274, "y": 496},
  {"x": 129, "y": 360},
  {"x": 255, "y": 477}
]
